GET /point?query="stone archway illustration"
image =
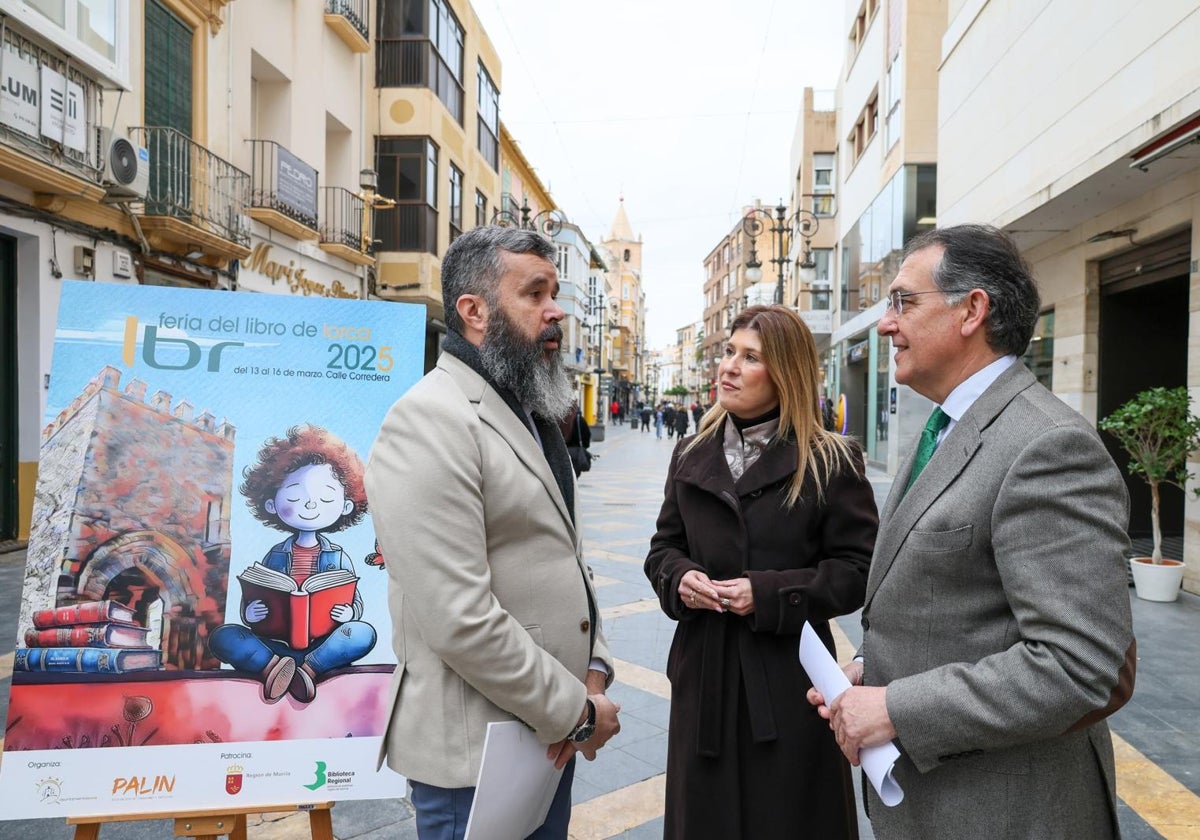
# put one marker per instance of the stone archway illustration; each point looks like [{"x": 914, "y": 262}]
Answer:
[{"x": 153, "y": 574}]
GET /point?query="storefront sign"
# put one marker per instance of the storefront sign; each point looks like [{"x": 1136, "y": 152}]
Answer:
[
  {"x": 858, "y": 352},
  {"x": 19, "y": 104},
  {"x": 295, "y": 276},
  {"x": 63, "y": 118},
  {"x": 819, "y": 321},
  {"x": 296, "y": 184}
]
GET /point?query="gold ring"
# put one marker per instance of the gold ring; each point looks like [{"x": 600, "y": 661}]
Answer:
[{"x": 693, "y": 599}]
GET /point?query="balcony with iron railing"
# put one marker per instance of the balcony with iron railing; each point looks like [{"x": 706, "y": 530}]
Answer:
[
  {"x": 194, "y": 199},
  {"x": 348, "y": 20},
  {"x": 412, "y": 62},
  {"x": 283, "y": 190},
  {"x": 59, "y": 158},
  {"x": 341, "y": 227}
]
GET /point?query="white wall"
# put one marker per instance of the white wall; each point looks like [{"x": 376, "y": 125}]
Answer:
[{"x": 1035, "y": 97}]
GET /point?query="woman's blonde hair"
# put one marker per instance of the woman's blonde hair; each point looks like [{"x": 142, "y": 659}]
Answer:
[{"x": 789, "y": 354}]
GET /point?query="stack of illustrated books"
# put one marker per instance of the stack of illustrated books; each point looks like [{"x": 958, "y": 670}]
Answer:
[{"x": 94, "y": 637}]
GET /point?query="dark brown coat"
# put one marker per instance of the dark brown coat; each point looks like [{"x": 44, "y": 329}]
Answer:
[{"x": 747, "y": 756}]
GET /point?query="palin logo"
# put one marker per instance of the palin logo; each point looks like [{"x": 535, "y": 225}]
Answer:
[{"x": 233, "y": 779}]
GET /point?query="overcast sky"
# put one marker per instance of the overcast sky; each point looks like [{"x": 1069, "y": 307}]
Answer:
[{"x": 685, "y": 107}]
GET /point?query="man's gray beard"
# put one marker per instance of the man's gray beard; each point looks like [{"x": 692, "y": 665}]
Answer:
[{"x": 519, "y": 365}]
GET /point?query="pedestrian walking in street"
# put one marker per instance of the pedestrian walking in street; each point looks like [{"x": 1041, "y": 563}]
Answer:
[
  {"x": 645, "y": 415},
  {"x": 658, "y": 422},
  {"x": 473, "y": 499},
  {"x": 681, "y": 422},
  {"x": 578, "y": 438},
  {"x": 669, "y": 420},
  {"x": 697, "y": 413},
  {"x": 614, "y": 412},
  {"x": 767, "y": 522},
  {"x": 996, "y": 630}
]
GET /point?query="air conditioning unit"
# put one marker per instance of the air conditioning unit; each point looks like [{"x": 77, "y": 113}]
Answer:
[{"x": 126, "y": 166}]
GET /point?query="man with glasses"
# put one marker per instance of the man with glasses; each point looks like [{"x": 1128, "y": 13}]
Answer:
[{"x": 996, "y": 631}]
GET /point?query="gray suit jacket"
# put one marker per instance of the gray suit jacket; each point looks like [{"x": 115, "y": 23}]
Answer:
[
  {"x": 997, "y": 614},
  {"x": 488, "y": 590}
]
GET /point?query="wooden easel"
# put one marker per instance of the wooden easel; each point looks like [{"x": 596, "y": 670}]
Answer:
[{"x": 208, "y": 825}]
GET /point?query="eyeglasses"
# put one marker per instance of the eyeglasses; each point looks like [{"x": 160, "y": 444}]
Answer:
[{"x": 895, "y": 300}]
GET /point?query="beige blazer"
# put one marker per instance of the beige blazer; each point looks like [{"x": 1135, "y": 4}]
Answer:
[{"x": 488, "y": 591}]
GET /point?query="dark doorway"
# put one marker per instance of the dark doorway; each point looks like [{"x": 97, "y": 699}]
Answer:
[
  {"x": 8, "y": 388},
  {"x": 1143, "y": 344}
]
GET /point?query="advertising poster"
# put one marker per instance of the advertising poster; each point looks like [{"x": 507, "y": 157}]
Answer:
[{"x": 204, "y": 616}]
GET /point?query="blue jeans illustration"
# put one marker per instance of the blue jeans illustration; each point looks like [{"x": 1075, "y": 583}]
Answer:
[{"x": 243, "y": 649}]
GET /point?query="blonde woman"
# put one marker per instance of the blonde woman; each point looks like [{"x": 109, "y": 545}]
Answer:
[{"x": 768, "y": 521}]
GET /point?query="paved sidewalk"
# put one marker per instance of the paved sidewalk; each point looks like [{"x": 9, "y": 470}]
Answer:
[{"x": 621, "y": 793}]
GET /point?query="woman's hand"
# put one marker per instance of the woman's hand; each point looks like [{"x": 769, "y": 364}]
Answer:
[
  {"x": 735, "y": 595},
  {"x": 698, "y": 593}
]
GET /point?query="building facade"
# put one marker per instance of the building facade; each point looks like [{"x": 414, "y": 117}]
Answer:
[
  {"x": 435, "y": 111},
  {"x": 170, "y": 142},
  {"x": 1098, "y": 179},
  {"x": 626, "y": 311},
  {"x": 887, "y": 171}
]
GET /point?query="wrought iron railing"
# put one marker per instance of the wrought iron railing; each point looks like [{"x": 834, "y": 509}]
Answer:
[
  {"x": 21, "y": 129},
  {"x": 277, "y": 182},
  {"x": 341, "y": 218},
  {"x": 190, "y": 182},
  {"x": 407, "y": 227},
  {"x": 357, "y": 12},
  {"x": 409, "y": 62}
]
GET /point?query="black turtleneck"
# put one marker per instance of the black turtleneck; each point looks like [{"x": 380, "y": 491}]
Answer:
[{"x": 741, "y": 424}]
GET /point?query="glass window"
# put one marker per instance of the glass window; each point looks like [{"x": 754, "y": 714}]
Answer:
[
  {"x": 488, "y": 121},
  {"x": 564, "y": 258},
  {"x": 407, "y": 169},
  {"x": 822, "y": 257},
  {"x": 419, "y": 43},
  {"x": 456, "y": 189},
  {"x": 85, "y": 28},
  {"x": 822, "y": 172},
  {"x": 480, "y": 209},
  {"x": 1039, "y": 358}
]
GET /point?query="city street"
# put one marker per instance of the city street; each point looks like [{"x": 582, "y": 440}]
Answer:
[{"x": 1157, "y": 735}]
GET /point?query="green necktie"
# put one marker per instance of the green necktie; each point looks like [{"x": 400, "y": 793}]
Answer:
[{"x": 937, "y": 421}]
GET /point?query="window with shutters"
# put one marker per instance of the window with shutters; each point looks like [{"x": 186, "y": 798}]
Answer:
[{"x": 168, "y": 104}]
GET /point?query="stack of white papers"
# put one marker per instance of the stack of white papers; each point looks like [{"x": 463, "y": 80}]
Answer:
[
  {"x": 877, "y": 762},
  {"x": 516, "y": 784}
]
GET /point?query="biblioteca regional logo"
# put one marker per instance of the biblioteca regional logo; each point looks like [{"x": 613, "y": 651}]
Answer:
[
  {"x": 233, "y": 779},
  {"x": 49, "y": 790}
]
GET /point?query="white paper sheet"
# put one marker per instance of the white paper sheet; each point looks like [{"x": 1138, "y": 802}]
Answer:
[
  {"x": 516, "y": 784},
  {"x": 877, "y": 762}
]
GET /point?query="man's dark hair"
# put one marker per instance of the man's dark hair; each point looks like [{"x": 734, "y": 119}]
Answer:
[
  {"x": 474, "y": 264},
  {"x": 985, "y": 257}
]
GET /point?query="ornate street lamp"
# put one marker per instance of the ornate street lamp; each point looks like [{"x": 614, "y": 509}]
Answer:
[
  {"x": 784, "y": 228},
  {"x": 547, "y": 222},
  {"x": 368, "y": 183}
]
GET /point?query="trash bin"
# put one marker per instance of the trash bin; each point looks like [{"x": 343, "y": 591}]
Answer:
[{"x": 633, "y": 420}]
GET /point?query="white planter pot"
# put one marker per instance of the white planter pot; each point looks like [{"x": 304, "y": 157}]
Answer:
[{"x": 1159, "y": 582}]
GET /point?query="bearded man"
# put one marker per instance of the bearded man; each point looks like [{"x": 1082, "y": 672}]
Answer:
[{"x": 493, "y": 612}]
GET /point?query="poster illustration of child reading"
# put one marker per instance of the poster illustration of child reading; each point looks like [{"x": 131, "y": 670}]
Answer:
[{"x": 300, "y": 603}]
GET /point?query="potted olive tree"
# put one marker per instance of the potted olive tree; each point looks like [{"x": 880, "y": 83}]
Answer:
[{"x": 1158, "y": 431}]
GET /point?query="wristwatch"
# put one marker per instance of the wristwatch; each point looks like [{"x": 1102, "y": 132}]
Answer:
[{"x": 585, "y": 730}]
